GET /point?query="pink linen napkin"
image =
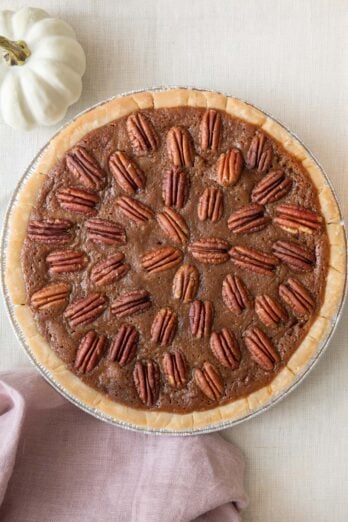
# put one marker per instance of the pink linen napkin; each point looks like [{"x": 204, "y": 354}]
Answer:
[{"x": 59, "y": 464}]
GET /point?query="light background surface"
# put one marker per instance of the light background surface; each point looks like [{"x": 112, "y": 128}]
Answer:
[{"x": 290, "y": 58}]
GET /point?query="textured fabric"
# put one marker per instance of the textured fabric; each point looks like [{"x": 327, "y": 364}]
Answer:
[
  {"x": 72, "y": 467},
  {"x": 290, "y": 57}
]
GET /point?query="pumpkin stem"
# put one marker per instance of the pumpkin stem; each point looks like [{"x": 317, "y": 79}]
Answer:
[{"x": 14, "y": 53}]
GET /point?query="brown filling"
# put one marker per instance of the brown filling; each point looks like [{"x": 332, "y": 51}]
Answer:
[{"x": 238, "y": 367}]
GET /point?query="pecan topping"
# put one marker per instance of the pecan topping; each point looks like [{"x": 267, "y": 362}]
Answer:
[
  {"x": 210, "y": 250},
  {"x": 174, "y": 369},
  {"x": 235, "y": 294},
  {"x": 51, "y": 296},
  {"x": 253, "y": 260},
  {"x": 201, "y": 318},
  {"x": 160, "y": 259},
  {"x": 211, "y": 205},
  {"x": 130, "y": 303},
  {"x": 63, "y": 261},
  {"x": 104, "y": 231},
  {"x": 146, "y": 377},
  {"x": 89, "y": 352},
  {"x": 185, "y": 283},
  {"x": 270, "y": 312},
  {"x": 209, "y": 381},
  {"x": 225, "y": 347},
  {"x": 85, "y": 168},
  {"x": 78, "y": 200},
  {"x": 141, "y": 133},
  {"x": 175, "y": 188},
  {"x": 296, "y": 219},
  {"x": 173, "y": 225},
  {"x": 210, "y": 130},
  {"x": 109, "y": 270},
  {"x": 260, "y": 154},
  {"x": 163, "y": 327},
  {"x": 296, "y": 256},
  {"x": 124, "y": 346},
  {"x": 179, "y": 147},
  {"x": 128, "y": 176},
  {"x": 229, "y": 167},
  {"x": 134, "y": 209},
  {"x": 261, "y": 348},
  {"x": 271, "y": 188},
  {"x": 248, "y": 219},
  {"x": 50, "y": 230},
  {"x": 297, "y": 297},
  {"x": 85, "y": 310}
]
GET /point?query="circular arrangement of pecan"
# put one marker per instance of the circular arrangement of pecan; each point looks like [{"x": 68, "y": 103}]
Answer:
[{"x": 268, "y": 312}]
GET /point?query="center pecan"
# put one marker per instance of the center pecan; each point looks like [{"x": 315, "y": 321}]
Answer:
[
  {"x": 130, "y": 303},
  {"x": 248, "y": 219},
  {"x": 201, "y": 318},
  {"x": 211, "y": 251},
  {"x": 160, "y": 259},
  {"x": 163, "y": 327}
]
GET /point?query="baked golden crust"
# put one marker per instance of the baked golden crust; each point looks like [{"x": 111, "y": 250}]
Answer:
[{"x": 55, "y": 368}]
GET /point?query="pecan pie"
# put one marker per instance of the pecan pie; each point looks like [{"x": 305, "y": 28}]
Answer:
[{"x": 179, "y": 257}]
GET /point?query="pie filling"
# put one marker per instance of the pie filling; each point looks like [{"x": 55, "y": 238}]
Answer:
[{"x": 176, "y": 258}]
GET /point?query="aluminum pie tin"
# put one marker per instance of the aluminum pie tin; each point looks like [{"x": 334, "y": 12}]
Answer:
[{"x": 46, "y": 374}]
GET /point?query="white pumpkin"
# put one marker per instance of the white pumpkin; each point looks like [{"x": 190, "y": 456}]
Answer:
[{"x": 40, "y": 70}]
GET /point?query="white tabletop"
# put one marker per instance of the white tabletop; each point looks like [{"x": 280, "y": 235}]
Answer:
[{"x": 290, "y": 58}]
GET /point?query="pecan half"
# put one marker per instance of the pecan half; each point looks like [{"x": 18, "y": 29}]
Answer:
[
  {"x": 51, "y": 296},
  {"x": 235, "y": 294},
  {"x": 141, "y": 133},
  {"x": 160, "y": 259},
  {"x": 104, "y": 231},
  {"x": 296, "y": 256},
  {"x": 134, "y": 209},
  {"x": 173, "y": 225},
  {"x": 229, "y": 167},
  {"x": 297, "y": 297},
  {"x": 50, "y": 230},
  {"x": 201, "y": 318},
  {"x": 128, "y": 176},
  {"x": 271, "y": 188},
  {"x": 175, "y": 188},
  {"x": 253, "y": 260},
  {"x": 109, "y": 270},
  {"x": 210, "y": 250},
  {"x": 179, "y": 147},
  {"x": 130, "y": 303},
  {"x": 146, "y": 377},
  {"x": 89, "y": 352},
  {"x": 209, "y": 381},
  {"x": 224, "y": 346},
  {"x": 85, "y": 310},
  {"x": 210, "y": 130},
  {"x": 295, "y": 219},
  {"x": 248, "y": 219},
  {"x": 174, "y": 368},
  {"x": 270, "y": 312},
  {"x": 64, "y": 261},
  {"x": 261, "y": 348},
  {"x": 260, "y": 154},
  {"x": 211, "y": 205},
  {"x": 163, "y": 327},
  {"x": 124, "y": 346},
  {"x": 185, "y": 283},
  {"x": 85, "y": 168},
  {"x": 77, "y": 200}
]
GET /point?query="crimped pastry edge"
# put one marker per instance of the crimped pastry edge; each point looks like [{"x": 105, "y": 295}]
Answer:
[{"x": 56, "y": 370}]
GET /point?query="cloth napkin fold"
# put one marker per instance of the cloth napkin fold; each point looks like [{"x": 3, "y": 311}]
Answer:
[{"x": 59, "y": 464}]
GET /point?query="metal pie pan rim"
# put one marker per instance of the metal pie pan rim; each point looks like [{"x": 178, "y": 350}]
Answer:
[{"x": 45, "y": 373}]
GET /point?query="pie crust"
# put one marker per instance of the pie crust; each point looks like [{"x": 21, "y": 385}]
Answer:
[{"x": 56, "y": 371}]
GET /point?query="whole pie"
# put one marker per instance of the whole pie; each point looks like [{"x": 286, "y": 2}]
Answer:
[{"x": 182, "y": 257}]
